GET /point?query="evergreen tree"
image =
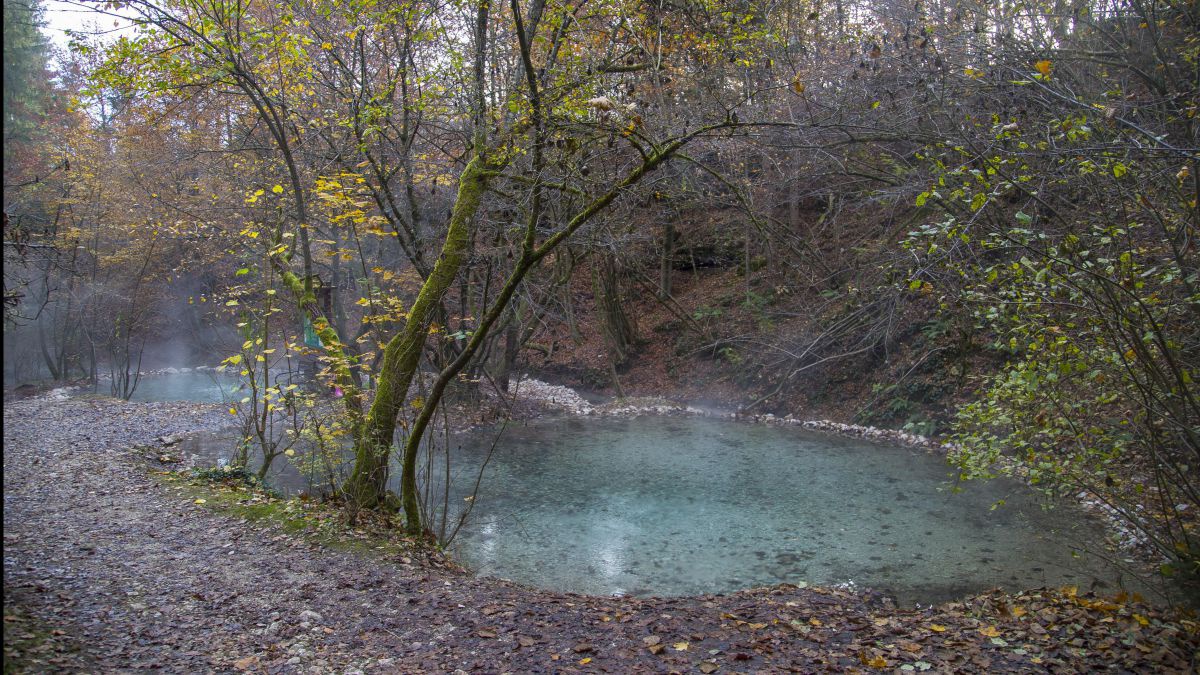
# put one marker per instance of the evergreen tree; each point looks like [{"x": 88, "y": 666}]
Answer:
[{"x": 25, "y": 55}]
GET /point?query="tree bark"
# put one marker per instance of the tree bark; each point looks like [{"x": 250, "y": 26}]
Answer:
[{"x": 367, "y": 484}]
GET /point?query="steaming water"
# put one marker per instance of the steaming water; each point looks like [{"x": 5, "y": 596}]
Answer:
[
  {"x": 675, "y": 506},
  {"x": 201, "y": 387}
]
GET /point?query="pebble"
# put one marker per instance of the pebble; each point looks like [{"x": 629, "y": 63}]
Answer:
[{"x": 309, "y": 615}]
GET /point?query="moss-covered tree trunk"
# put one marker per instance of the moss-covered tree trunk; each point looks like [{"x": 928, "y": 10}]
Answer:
[{"x": 367, "y": 484}]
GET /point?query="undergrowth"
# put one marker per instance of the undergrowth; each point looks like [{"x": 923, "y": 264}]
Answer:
[{"x": 240, "y": 494}]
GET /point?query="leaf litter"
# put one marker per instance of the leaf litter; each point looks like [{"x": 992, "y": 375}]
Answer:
[{"x": 106, "y": 569}]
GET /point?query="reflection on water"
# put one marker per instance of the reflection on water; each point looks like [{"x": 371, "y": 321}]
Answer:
[{"x": 673, "y": 506}]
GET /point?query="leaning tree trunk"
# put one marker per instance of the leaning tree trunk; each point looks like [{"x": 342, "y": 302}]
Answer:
[{"x": 367, "y": 484}]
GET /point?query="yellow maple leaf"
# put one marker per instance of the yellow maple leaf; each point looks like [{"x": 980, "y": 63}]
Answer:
[{"x": 990, "y": 631}]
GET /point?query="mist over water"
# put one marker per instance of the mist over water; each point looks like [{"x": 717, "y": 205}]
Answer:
[{"x": 199, "y": 386}]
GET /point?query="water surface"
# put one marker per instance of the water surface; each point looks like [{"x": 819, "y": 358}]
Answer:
[
  {"x": 680, "y": 506},
  {"x": 198, "y": 386}
]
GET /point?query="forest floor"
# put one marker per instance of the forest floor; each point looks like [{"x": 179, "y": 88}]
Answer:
[{"x": 107, "y": 569}]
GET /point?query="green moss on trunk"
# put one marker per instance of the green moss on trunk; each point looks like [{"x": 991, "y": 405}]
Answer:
[{"x": 366, "y": 485}]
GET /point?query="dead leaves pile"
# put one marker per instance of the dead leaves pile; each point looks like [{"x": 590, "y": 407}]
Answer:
[
  {"x": 1059, "y": 630},
  {"x": 789, "y": 628}
]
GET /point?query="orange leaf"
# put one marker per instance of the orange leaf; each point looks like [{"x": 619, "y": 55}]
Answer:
[{"x": 1042, "y": 67}]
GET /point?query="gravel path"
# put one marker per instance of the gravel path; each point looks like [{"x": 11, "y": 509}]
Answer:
[{"x": 125, "y": 576}]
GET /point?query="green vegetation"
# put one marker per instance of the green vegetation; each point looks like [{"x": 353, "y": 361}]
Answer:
[{"x": 240, "y": 494}]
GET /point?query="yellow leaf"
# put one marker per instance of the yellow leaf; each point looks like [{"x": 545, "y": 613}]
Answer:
[
  {"x": 1141, "y": 619},
  {"x": 201, "y": 501},
  {"x": 278, "y": 189},
  {"x": 815, "y": 621},
  {"x": 290, "y": 452},
  {"x": 1042, "y": 67},
  {"x": 878, "y": 662},
  {"x": 990, "y": 631},
  {"x": 797, "y": 85},
  {"x": 937, "y": 628},
  {"x": 681, "y": 646},
  {"x": 233, "y": 411},
  {"x": 586, "y": 661},
  {"x": 1019, "y": 611}
]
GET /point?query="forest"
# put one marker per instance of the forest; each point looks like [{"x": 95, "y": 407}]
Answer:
[{"x": 968, "y": 224}]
